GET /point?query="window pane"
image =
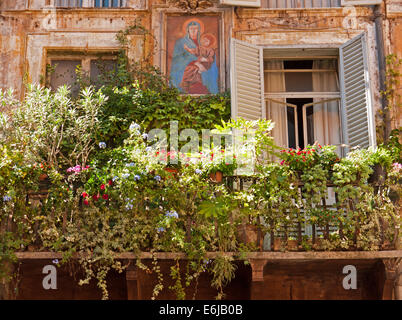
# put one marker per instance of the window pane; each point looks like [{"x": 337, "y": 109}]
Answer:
[
  {"x": 298, "y": 81},
  {"x": 310, "y": 125},
  {"x": 101, "y": 68},
  {"x": 287, "y": 4},
  {"x": 291, "y": 128},
  {"x": 325, "y": 81},
  {"x": 64, "y": 72}
]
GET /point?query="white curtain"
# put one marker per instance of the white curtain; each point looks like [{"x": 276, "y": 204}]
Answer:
[
  {"x": 275, "y": 82},
  {"x": 327, "y": 129}
]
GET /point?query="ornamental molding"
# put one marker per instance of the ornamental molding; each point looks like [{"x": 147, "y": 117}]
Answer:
[{"x": 191, "y": 6}]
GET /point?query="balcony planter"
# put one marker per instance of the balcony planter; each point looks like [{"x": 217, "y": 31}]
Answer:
[
  {"x": 250, "y": 234},
  {"x": 216, "y": 176},
  {"x": 281, "y": 245},
  {"x": 172, "y": 172}
]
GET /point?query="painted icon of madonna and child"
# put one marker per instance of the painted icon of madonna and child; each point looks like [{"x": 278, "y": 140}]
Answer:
[{"x": 192, "y": 60}]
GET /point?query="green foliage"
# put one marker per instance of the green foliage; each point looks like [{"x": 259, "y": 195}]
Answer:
[{"x": 51, "y": 127}]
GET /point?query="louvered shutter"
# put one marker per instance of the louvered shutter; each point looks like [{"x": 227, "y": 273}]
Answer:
[
  {"x": 357, "y": 113},
  {"x": 242, "y": 3},
  {"x": 360, "y": 2},
  {"x": 247, "y": 81}
]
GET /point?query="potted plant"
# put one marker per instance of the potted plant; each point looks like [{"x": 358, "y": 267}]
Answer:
[
  {"x": 381, "y": 161},
  {"x": 220, "y": 164}
]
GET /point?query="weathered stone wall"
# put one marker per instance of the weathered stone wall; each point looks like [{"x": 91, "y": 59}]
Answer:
[
  {"x": 27, "y": 35},
  {"x": 393, "y": 43},
  {"x": 283, "y": 280}
]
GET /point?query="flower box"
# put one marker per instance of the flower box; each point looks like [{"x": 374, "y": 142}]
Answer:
[{"x": 216, "y": 176}]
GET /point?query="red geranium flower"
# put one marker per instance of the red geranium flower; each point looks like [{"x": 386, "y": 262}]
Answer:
[
  {"x": 84, "y": 194},
  {"x": 105, "y": 196},
  {"x": 110, "y": 182},
  {"x": 95, "y": 197},
  {"x": 102, "y": 186},
  {"x": 86, "y": 202}
]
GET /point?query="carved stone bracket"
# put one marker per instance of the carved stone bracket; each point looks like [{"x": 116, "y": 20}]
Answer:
[
  {"x": 132, "y": 282},
  {"x": 392, "y": 288},
  {"x": 392, "y": 267},
  {"x": 191, "y": 5},
  {"x": 257, "y": 268}
]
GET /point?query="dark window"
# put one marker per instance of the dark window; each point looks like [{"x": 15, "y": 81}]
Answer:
[
  {"x": 64, "y": 72},
  {"x": 299, "y": 102}
]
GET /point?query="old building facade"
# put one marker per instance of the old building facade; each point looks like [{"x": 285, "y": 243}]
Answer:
[
  {"x": 331, "y": 53},
  {"x": 316, "y": 67}
]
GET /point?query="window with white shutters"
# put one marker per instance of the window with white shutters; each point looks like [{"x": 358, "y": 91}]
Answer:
[
  {"x": 343, "y": 115},
  {"x": 247, "y": 81},
  {"x": 357, "y": 114}
]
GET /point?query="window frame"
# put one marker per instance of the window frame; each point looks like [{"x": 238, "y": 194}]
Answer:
[
  {"x": 78, "y": 54},
  {"x": 328, "y": 96},
  {"x": 90, "y": 4},
  {"x": 346, "y": 52}
]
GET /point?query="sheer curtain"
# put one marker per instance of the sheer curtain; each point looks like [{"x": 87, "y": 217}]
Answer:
[
  {"x": 275, "y": 82},
  {"x": 327, "y": 129}
]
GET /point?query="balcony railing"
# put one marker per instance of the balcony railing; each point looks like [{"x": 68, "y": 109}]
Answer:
[
  {"x": 301, "y": 232},
  {"x": 293, "y": 227}
]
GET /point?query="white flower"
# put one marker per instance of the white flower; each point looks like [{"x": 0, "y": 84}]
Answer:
[
  {"x": 134, "y": 126},
  {"x": 102, "y": 145}
]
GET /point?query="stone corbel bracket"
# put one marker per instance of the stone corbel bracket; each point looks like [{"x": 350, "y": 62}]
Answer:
[
  {"x": 257, "y": 268},
  {"x": 393, "y": 273}
]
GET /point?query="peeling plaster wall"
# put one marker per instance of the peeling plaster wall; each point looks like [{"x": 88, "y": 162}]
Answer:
[
  {"x": 13, "y": 4},
  {"x": 393, "y": 44},
  {"x": 26, "y": 35}
]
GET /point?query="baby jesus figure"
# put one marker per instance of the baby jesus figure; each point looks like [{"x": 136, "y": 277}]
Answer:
[{"x": 206, "y": 55}]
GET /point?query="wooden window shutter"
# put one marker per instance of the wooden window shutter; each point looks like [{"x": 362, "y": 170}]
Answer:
[
  {"x": 360, "y": 2},
  {"x": 247, "y": 76},
  {"x": 357, "y": 112},
  {"x": 242, "y": 3}
]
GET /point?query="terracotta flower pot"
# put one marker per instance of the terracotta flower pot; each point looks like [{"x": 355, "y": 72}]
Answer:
[
  {"x": 216, "y": 176},
  {"x": 281, "y": 245},
  {"x": 173, "y": 172},
  {"x": 249, "y": 234}
]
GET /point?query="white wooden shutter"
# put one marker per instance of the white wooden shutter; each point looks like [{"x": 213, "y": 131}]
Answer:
[
  {"x": 359, "y": 2},
  {"x": 357, "y": 113},
  {"x": 242, "y": 3},
  {"x": 247, "y": 76}
]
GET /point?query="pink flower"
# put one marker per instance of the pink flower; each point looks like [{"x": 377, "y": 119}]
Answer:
[
  {"x": 282, "y": 162},
  {"x": 397, "y": 166},
  {"x": 84, "y": 194},
  {"x": 95, "y": 197},
  {"x": 102, "y": 187}
]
